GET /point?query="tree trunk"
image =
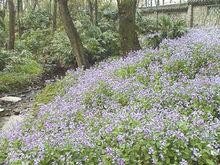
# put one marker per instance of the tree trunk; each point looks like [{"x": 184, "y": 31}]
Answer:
[
  {"x": 19, "y": 9},
  {"x": 96, "y": 12},
  {"x": 3, "y": 4},
  {"x": 35, "y": 4},
  {"x": 11, "y": 39},
  {"x": 90, "y": 5},
  {"x": 158, "y": 2},
  {"x": 127, "y": 28},
  {"x": 54, "y": 25},
  {"x": 72, "y": 34}
]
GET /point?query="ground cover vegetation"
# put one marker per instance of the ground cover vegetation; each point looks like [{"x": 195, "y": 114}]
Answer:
[
  {"x": 156, "y": 106},
  {"x": 137, "y": 90}
]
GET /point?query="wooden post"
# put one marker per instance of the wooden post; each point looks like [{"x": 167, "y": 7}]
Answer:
[{"x": 190, "y": 15}]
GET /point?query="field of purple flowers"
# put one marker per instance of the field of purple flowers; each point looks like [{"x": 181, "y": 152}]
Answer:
[{"x": 152, "y": 107}]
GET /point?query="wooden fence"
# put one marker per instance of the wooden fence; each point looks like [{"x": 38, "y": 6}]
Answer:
[{"x": 194, "y": 12}]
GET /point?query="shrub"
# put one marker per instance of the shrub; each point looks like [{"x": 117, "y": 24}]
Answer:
[
  {"x": 3, "y": 33},
  {"x": 60, "y": 51},
  {"x": 5, "y": 58},
  {"x": 12, "y": 81},
  {"x": 35, "y": 41},
  {"x": 166, "y": 28},
  {"x": 100, "y": 41},
  {"x": 171, "y": 29},
  {"x": 3, "y": 37},
  {"x": 24, "y": 65},
  {"x": 18, "y": 71},
  {"x": 35, "y": 19},
  {"x": 109, "y": 12},
  {"x": 145, "y": 25}
]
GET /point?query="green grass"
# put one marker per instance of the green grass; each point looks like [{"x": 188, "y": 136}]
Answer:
[
  {"x": 19, "y": 74},
  {"x": 49, "y": 93},
  {"x": 58, "y": 88}
]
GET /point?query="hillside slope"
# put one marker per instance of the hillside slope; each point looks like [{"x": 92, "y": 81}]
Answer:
[{"x": 153, "y": 107}]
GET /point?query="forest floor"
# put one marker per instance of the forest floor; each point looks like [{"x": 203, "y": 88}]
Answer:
[{"x": 13, "y": 112}]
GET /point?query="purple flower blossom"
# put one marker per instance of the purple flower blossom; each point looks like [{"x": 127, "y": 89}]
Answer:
[
  {"x": 120, "y": 161},
  {"x": 150, "y": 150},
  {"x": 183, "y": 162},
  {"x": 109, "y": 151},
  {"x": 150, "y": 96}
]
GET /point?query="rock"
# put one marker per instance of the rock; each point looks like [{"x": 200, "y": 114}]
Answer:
[
  {"x": 3, "y": 120},
  {"x": 16, "y": 111},
  {"x": 2, "y": 112},
  {"x": 10, "y": 99},
  {"x": 11, "y": 122}
]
